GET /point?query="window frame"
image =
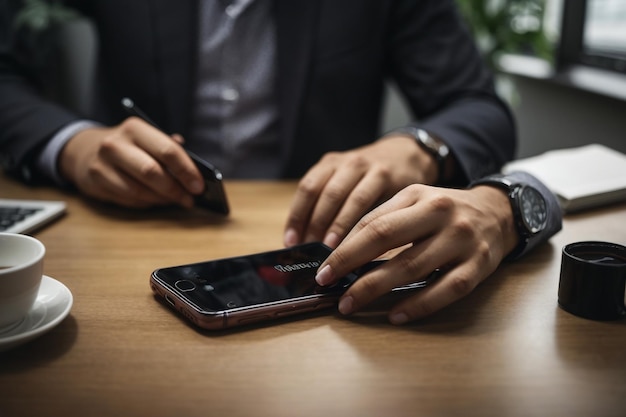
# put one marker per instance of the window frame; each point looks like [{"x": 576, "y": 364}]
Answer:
[{"x": 571, "y": 49}]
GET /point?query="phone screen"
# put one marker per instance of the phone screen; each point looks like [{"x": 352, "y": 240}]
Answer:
[
  {"x": 249, "y": 280},
  {"x": 230, "y": 291}
]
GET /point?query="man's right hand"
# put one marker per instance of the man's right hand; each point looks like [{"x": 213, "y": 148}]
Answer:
[{"x": 132, "y": 164}]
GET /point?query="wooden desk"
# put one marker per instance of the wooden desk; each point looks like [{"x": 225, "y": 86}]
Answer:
[{"x": 506, "y": 350}]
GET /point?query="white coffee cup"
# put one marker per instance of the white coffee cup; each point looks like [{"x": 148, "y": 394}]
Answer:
[{"x": 21, "y": 271}]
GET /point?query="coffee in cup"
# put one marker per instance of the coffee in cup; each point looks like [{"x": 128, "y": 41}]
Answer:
[{"x": 21, "y": 271}]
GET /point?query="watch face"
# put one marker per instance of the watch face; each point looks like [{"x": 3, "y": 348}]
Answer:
[{"x": 533, "y": 208}]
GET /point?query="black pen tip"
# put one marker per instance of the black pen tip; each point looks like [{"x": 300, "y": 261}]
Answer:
[{"x": 128, "y": 103}]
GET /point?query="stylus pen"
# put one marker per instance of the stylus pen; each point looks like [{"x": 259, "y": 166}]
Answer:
[{"x": 133, "y": 110}]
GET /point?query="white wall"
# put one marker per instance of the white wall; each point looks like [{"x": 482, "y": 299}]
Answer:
[
  {"x": 549, "y": 116},
  {"x": 553, "y": 116}
]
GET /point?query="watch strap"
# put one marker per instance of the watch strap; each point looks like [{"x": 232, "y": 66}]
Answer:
[
  {"x": 431, "y": 144},
  {"x": 511, "y": 189}
]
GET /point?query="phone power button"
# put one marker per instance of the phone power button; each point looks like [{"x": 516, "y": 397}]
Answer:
[{"x": 184, "y": 285}]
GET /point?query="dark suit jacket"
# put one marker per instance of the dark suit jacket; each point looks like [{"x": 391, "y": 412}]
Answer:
[{"x": 333, "y": 59}]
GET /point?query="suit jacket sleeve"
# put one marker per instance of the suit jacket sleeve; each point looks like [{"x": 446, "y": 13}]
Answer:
[
  {"x": 26, "y": 119},
  {"x": 449, "y": 87}
]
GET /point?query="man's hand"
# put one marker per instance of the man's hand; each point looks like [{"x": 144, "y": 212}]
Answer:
[
  {"x": 132, "y": 164},
  {"x": 463, "y": 233},
  {"x": 336, "y": 192}
]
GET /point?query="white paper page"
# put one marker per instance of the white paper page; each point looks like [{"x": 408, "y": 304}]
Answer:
[{"x": 577, "y": 172}]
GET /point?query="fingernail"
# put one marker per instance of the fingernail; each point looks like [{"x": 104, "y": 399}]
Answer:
[
  {"x": 196, "y": 187},
  {"x": 324, "y": 276},
  {"x": 332, "y": 240},
  {"x": 345, "y": 305},
  {"x": 399, "y": 318},
  {"x": 291, "y": 237}
]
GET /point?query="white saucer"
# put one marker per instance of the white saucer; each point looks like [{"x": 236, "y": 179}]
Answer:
[{"x": 53, "y": 304}]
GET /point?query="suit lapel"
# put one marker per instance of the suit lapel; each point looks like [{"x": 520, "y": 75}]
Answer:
[
  {"x": 296, "y": 22},
  {"x": 175, "y": 26}
]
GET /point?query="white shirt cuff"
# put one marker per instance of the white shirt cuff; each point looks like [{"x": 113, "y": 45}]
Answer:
[{"x": 47, "y": 163}]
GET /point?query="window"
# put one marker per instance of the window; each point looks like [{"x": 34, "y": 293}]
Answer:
[
  {"x": 604, "y": 34},
  {"x": 593, "y": 34},
  {"x": 588, "y": 43}
]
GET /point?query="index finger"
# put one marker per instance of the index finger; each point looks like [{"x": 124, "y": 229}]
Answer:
[
  {"x": 395, "y": 223},
  {"x": 304, "y": 201},
  {"x": 168, "y": 153}
]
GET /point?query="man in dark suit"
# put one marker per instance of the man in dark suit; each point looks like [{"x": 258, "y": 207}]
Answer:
[
  {"x": 275, "y": 89},
  {"x": 332, "y": 59}
]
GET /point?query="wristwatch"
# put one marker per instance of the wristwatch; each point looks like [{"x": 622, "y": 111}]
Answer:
[
  {"x": 431, "y": 144},
  {"x": 530, "y": 211}
]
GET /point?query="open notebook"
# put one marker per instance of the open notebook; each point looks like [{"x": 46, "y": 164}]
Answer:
[
  {"x": 24, "y": 216},
  {"x": 582, "y": 177}
]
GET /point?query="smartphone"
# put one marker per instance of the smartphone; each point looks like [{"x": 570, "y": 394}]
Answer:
[
  {"x": 224, "y": 293},
  {"x": 213, "y": 197}
]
